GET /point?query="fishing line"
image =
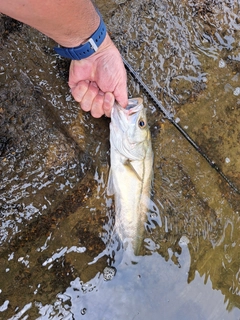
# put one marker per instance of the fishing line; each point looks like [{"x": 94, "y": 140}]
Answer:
[{"x": 176, "y": 125}]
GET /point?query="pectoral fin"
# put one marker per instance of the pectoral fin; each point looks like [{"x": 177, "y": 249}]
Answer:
[{"x": 134, "y": 168}]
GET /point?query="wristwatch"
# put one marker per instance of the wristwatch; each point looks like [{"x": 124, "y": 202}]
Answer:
[{"x": 88, "y": 48}]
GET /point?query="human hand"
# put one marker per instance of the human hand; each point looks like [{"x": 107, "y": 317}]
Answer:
[{"x": 97, "y": 81}]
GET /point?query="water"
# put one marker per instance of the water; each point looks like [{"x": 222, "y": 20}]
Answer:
[{"x": 56, "y": 220}]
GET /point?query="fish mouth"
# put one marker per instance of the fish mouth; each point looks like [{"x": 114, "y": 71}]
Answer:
[
  {"x": 133, "y": 103},
  {"x": 120, "y": 116}
]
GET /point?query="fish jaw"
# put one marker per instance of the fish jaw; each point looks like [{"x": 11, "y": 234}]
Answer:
[{"x": 120, "y": 116}]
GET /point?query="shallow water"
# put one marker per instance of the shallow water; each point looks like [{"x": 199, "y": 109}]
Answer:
[{"x": 56, "y": 219}]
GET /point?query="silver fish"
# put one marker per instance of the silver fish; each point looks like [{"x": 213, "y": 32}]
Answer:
[{"x": 131, "y": 170}]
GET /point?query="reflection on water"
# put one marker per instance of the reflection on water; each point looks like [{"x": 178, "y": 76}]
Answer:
[
  {"x": 150, "y": 288},
  {"x": 57, "y": 243}
]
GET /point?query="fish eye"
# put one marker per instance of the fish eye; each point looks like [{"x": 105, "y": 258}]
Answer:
[{"x": 141, "y": 123}]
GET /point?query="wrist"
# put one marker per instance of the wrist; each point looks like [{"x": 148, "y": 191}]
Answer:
[
  {"x": 87, "y": 47},
  {"x": 79, "y": 36}
]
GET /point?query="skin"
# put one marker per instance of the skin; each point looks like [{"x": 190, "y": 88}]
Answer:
[
  {"x": 95, "y": 82},
  {"x": 131, "y": 173}
]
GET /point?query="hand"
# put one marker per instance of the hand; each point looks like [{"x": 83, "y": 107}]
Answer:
[{"x": 96, "y": 82}]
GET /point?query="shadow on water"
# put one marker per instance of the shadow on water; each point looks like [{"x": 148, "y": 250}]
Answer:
[{"x": 56, "y": 220}]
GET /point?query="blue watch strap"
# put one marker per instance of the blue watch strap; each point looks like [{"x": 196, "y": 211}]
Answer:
[{"x": 87, "y": 49}]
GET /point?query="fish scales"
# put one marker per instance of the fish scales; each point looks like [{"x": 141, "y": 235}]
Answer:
[{"x": 131, "y": 170}]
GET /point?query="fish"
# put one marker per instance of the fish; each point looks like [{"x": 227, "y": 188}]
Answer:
[{"x": 131, "y": 170}]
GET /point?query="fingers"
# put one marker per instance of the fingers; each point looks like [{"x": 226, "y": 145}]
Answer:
[
  {"x": 97, "y": 105},
  {"x": 97, "y": 81},
  {"x": 92, "y": 99},
  {"x": 121, "y": 94},
  {"x": 89, "y": 96},
  {"x": 102, "y": 104},
  {"x": 80, "y": 90},
  {"x": 108, "y": 103}
]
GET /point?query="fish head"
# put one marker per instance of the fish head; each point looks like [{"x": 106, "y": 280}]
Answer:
[
  {"x": 129, "y": 129},
  {"x": 138, "y": 129}
]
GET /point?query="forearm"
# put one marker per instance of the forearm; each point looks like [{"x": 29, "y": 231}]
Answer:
[
  {"x": 68, "y": 22},
  {"x": 95, "y": 81}
]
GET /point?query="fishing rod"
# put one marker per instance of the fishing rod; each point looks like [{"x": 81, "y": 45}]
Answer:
[{"x": 176, "y": 125}]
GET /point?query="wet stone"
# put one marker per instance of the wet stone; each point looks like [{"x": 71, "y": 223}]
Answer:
[
  {"x": 109, "y": 273},
  {"x": 40, "y": 162}
]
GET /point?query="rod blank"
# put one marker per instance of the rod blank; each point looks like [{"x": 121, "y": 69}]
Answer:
[{"x": 168, "y": 115}]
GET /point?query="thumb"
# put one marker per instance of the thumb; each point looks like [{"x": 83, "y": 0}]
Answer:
[{"x": 121, "y": 95}]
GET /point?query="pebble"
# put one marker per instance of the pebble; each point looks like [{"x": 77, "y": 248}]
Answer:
[
  {"x": 236, "y": 92},
  {"x": 227, "y": 160},
  {"x": 109, "y": 273},
  {"x": 222, "y": 63}
]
